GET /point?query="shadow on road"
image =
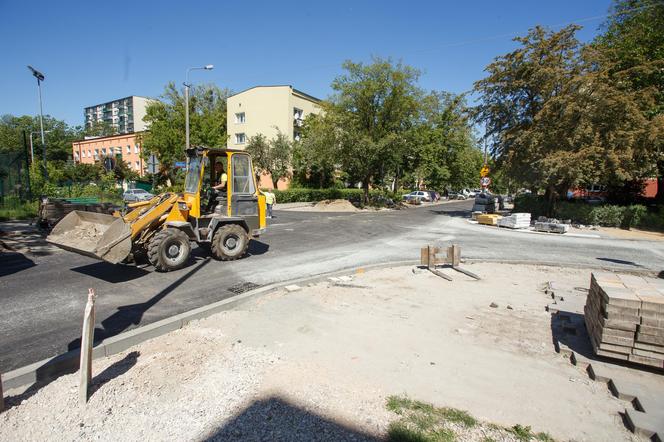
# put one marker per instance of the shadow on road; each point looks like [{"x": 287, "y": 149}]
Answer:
[
  {"x": 620, "y": 261},
  {"x": 14, "y": 262},
  {"x": 454, "y": 213},
  {"x": 131, "y": 315},
  {"x": 257, "y": 247},
  {"x": 277, "y": 419},
  {"x": 113, "y": 273}
]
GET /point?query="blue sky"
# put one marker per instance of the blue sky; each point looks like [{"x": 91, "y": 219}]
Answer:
[{"x": 93, "y": 52}]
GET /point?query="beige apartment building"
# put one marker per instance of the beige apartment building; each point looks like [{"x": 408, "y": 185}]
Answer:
[
  {"x": 267, "y": 110},
  {"x": 126, "y": 147}
]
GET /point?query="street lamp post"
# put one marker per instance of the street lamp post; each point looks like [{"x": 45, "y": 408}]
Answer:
[
  {"x": 187, "y": 85},
  {"x": 40, "y": 77},
  {"x": 32, "y": 151}
]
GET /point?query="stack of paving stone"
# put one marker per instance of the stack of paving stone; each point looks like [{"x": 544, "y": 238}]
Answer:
[
  {"x": 624, "y": 316},
  {"x": 551, "y": 227},
  {"x": 515, "y": 221}
]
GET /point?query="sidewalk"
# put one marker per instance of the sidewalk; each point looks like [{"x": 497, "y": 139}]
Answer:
[{"x": 319, "y": 362}]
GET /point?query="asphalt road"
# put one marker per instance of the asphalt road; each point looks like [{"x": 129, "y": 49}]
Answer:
[{"x": 42, "y": 297}]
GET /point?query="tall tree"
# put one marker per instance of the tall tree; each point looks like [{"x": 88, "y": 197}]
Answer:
[
  {"x": 59, "y": 136},
  {"x": 442, "y": 149},
  {"x": 374, "y": 105},
  {"x": 166, "y": 120},
  {"x": 518, "y": 85},
  {"x": 271, "y": 157},
  {"x": 632, "y": 49}
]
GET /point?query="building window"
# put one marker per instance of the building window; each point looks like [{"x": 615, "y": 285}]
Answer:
[
  {"x": 296, "y": 135},
  {"x": 138, "y": 165},
  {"x": 240, "y": 138},
  {"x": 297, "y": 113},
  {"x": 136, "y": 148},
  {"x": 128, "y": 148},
  {"x": 239, "y": 118},
  {"x": 89, "y": 153},
  {"x": 103, "y": 151},
  {"x": 76, "y": 157}
]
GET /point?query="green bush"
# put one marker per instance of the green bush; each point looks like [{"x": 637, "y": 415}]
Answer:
[
  {"x": 13, "y": 208},
  {"x": 653, "y": 219},
  {"x": 608, "y": 215},
  {"x": 378, "y": 198}
]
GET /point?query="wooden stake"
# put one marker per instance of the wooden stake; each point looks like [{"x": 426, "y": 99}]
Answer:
[
  {"x": 2, "y": 397},
  {"x": 87, "y": 337}
]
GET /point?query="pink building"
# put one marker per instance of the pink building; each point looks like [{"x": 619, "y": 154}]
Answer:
[{"x": 126, "y": 147}]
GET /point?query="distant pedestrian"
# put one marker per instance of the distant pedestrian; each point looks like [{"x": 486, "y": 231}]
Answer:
[{"x": 270, "y": 201}]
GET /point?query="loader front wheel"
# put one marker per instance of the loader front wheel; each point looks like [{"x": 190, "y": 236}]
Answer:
[
  {"x": 169, "y": 249},
  {"x": 230, "y": 242}
]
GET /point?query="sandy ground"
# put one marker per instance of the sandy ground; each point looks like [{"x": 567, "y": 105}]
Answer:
[
  {"x": 318, "y": 364},
  {"x": 615, "y": 232}
]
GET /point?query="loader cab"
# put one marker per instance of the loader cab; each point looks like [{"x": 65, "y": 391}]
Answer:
[{"x": 240, "y": 197}]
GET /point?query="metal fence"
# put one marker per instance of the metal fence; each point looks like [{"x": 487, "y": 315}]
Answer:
[{"x": 14, "y": 176}]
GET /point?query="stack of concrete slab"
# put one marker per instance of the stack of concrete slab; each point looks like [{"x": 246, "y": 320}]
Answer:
[
  {"x": 624, "y": 315},
  {"x": 515, "y": 221},
  {"x": 488, "y": 219},
  {"x": 551, "y": 227}
]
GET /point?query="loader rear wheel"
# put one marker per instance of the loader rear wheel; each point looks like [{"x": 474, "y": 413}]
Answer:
[
  {"x": 169, "y": 249},
  {"x": 230, "y": 242}
]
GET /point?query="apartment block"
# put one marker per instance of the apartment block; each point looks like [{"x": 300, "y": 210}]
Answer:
[
  {"x": 125, "y": 147},
  {"x": 267, "y": 110},
  {"x": 125, "y": 115}
]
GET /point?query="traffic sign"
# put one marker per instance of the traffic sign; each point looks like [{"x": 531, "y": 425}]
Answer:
[
  {"x": 484, "y": 171},
  {"x": 485, "y": 181}
]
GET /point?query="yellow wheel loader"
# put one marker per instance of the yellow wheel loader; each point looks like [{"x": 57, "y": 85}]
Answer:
[{"x": 163, "y": 228}]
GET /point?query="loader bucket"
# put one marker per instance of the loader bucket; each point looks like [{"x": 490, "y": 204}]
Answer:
[{"x": 93, "y": 234}]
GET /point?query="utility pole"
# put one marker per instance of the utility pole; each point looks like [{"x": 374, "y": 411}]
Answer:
[
  {"x": 27, "y": 165},
  {"x": 187, "y": 85},
  {"x": 40, "y": 77}
]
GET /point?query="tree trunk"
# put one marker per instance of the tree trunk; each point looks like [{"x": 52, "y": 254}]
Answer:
[
  {"x": 365, "y": 187},
  {"x": 659, "y": 197},
  {"x": 550, "y": 198},
  {"x": 275, "y": 183}
]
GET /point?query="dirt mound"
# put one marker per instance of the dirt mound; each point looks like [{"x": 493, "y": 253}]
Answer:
[{"x": 335, "y": 206}]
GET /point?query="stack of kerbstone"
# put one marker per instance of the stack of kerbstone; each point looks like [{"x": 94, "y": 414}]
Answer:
[
  {"x": 488, "y": 219},
  {"x": 625, "y": 317}
]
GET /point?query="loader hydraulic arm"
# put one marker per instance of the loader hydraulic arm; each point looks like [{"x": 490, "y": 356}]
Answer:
[{"x": 146, "y": 215}]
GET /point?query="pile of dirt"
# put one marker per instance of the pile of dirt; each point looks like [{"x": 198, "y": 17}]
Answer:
[
  {"x": 335, "y": 206},
  {"x": 86, "y": 235}
]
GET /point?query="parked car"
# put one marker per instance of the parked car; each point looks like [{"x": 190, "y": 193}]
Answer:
[
  {"x": 134, "y": 195},
  {"x": 418, "y": 195},
  {"x": 457, "y": 195}
]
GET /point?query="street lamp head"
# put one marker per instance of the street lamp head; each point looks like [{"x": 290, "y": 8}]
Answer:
[
  {"x": 208, "y": 67},
  {"x": 38, "y": 75}
]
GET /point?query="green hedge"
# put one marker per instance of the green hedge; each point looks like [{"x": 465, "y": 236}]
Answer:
[
  {"x": 604, "y": 215},
  {"x": 305, "y": 195}
]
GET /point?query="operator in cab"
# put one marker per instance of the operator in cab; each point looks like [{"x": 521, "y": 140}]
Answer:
[
  {"x": 220, "y": 177},
  {"x": 219, "y": 185}
]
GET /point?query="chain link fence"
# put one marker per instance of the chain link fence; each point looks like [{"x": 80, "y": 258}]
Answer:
[{"x": 14, "y": 177}]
